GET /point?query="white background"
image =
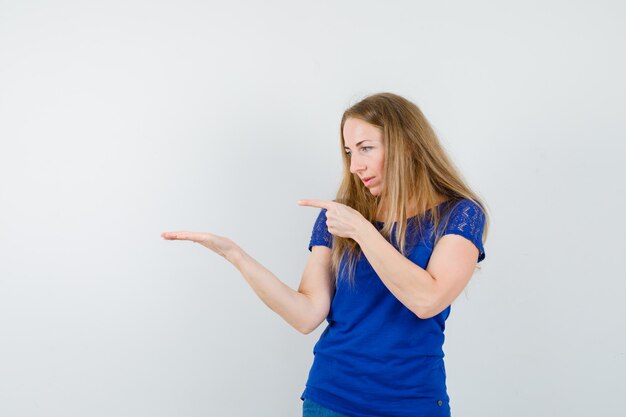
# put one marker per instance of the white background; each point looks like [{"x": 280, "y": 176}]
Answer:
[{"x": 123, "y": 119}]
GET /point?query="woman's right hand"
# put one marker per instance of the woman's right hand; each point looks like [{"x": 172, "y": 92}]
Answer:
[{"x": 221, "y": 245}]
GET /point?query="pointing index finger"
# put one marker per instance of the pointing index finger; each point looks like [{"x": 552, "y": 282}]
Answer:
[{"x": 316, "y": 203}]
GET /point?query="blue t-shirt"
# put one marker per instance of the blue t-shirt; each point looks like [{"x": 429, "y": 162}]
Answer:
[{"x": 376, "y": 357}]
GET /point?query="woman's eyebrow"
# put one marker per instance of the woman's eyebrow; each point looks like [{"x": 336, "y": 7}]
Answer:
[{"x": 365, "y": 140}]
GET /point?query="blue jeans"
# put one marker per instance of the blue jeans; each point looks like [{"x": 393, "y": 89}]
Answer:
[{"x": 311, "y": 409}]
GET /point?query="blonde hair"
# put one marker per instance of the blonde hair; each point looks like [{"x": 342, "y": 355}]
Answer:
[{"x": 416, "y": 169}]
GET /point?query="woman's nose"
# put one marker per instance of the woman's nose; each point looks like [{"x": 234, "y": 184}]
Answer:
[{"x": 356, "y": 166}]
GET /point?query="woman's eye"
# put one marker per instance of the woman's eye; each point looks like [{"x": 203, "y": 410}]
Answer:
[{"x": 362, "y": 147}]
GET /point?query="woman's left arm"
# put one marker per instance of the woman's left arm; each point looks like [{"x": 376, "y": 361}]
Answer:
[{"x": 426, "y": 292}]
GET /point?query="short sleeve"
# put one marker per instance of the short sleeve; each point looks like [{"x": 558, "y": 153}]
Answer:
[
  {"x": 467, "y": 219},
  {"x": 320, "y": 235}
]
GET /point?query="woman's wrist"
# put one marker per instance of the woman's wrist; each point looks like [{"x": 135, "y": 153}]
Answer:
[{"x": 235, "y": 256}]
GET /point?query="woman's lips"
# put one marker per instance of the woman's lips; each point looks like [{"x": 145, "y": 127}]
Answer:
[{"x": 368, "y": 181}]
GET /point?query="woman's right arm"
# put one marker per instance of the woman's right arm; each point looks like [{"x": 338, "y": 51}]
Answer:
[{"x": 304, "y": 309}]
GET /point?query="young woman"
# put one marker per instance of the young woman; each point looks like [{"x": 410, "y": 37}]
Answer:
[{"x": 389, "y": 255}]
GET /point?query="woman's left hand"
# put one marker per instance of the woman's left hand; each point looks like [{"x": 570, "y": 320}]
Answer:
[{"x": 341, "y": 220}]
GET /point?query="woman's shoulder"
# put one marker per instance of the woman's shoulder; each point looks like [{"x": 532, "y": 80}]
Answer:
[
  {"x": 463, "y": 214},
  {"x": 464, "y": 204}
]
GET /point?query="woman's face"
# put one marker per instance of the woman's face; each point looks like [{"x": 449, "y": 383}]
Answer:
[{"x": 363, "y": 143}]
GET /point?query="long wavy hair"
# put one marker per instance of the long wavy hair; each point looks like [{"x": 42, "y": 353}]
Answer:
[{"x": 416, "y": 169}]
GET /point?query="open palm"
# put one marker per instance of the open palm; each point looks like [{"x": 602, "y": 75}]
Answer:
[{"x": 221, "y": 245}]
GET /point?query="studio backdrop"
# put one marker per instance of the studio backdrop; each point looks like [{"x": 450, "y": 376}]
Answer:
[{"x": 120, "y": 120}]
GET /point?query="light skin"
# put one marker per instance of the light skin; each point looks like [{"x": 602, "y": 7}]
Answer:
[
  {"x": 363, "y": 143},
  {"x": 426, "y": 292}
]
